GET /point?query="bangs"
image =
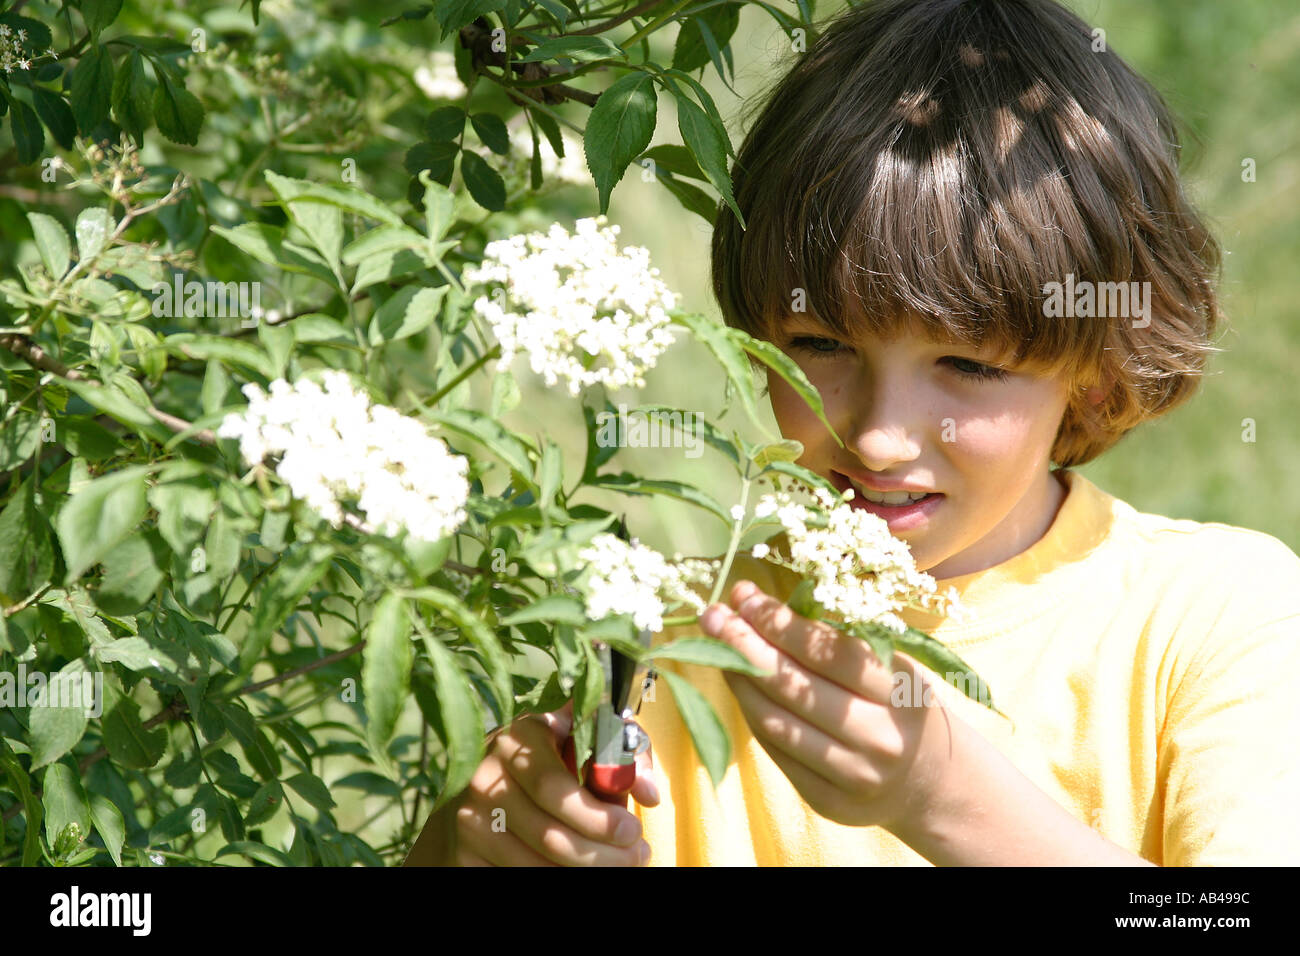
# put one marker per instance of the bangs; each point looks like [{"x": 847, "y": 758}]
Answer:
[{"x": 941, "y": 190}]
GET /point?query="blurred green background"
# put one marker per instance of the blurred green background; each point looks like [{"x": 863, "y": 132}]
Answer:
[{"x": 1231, "y": 72}]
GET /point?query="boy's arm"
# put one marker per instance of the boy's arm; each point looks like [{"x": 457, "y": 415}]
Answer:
[
  {"x": 826, "y": 718},
  {"x": 985, "y": 812}
]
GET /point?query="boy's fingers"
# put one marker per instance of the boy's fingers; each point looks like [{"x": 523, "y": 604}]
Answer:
[
  {"x": 645, "y": 790},
  {"x": 560, "y": 721}
]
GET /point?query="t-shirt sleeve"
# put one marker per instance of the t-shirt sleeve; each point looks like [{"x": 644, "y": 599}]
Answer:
[{"x": 1229, "y": 752}]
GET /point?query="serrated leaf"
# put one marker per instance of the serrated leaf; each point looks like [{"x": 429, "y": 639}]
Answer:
[
  {"x": 55, "y": 113},
  {"x": 484, "y": 640},
  {"x": 93, "y": 228},
  {"x": 783, "y": 365},
  {"x": 484, "y": 183},
  {"x": 491, "y": 130},
  {"x": 109, "y": 824},
  {"x": 298, "y": 572},
  {"x": 52, "y": 242},
  {"x": 99, "y": 515},
  {"x": 619, "y": 128},
  {"x": 90, "y": 88},
  {"x": 410, "y": 311},
  {"x": 313, "y": 790},
  {"x": 944, "y": 662},
  {"x": 64, "y": 802},
  {"x": 462, "y": 721},
  {"x": 54, "y": 731},
  {"x": 177, "y": 111},
  {"x": 99, "y": 14},
  {"x": 707, "y": 140},
  {"x": 708, "y": 652},
  {"x": 709, "y": 736},
  {"x": 386, "y": 669},
  {"x": 29, "y": 135},
  {"x": 133, "y": 97}
]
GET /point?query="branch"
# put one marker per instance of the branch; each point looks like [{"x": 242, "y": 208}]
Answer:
[{"x": 37, "y": 357}]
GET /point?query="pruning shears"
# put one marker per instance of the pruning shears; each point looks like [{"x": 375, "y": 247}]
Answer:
[{"x": 611, "y": 771}]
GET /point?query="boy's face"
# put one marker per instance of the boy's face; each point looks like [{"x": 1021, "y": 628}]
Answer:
[{"x": 909, "y": 416}]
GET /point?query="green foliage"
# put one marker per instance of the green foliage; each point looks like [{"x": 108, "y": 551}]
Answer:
[{"x": 254, "y": 666}]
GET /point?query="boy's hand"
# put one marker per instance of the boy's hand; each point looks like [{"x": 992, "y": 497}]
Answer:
[
  {"x": 523, "y": 808},
  {"x": 825, "y": 715}
]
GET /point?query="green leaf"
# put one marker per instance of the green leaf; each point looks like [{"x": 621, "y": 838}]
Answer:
[
  {"x": 94, "y": 227},
  {"x": 491, "y": 130},
  {"x": 19, "y": 439},
  {"x": 386, "y": 669},
  {"x": 484, "y": 183},
  {"x": 32, "y": 809},
  {"x": 454, "y": 14},
  {"x": 729, "y": 353},
  {"x": 52, "y": 242},
  {"x": 299, "y": 570},
  {"x": 54, "y": 112},
  {"x": 710, "y": 737},
  {"x": 802, "y": 602},
  {"x": 90, "y": 88},
  {"x": 945, "y": 663},
  {"x": 445, "y": 124},
  {"x": 98, "y": 516},
  {"x": 439, "y": 207},
  {"x": 204, "y": 347},
  {"x": 64, "y": 802},
  {"x": 618, "y": 130},
  {"x": 708, "y": 652},
  {"x": 462, "y": 721},
  {"x": 313, "y": 790},
  {"x": 56, "y": 730},
  {"x": 184, "y": 510},
  {"x": 411, "y": 310},
  {"x": 131, "y": 575},
  {"x": 262, "y": 756},
  {"x": 267, "y": 244},
  {"x": 485, "y": 641},
  {"x": 128, "y": 743},
  {"x": 580, "y": 49},
  {"x": 690, "y": 52},
  {"x": 29, "y": 135},
  {"x": 133, "y": 94},
  {"x": 98, "y": 14},
  {"x": 108, "y": 824},
  {"x": 677, "y": 160},
  {"x": 258, "y": 852},
  {"x": 490, "y": 433},
  {"x": 632, "y": 484},
  {"x": 785, "y": 450},
  {"x": 177, "y": 111},
  {"x": 783, "y": 365},
  {"x": 381, "y": 239},
  {"x": 346, "y": 197},
  {"x": 26, "y": 552},
  {"x": 707, "y": 139},
  {"x": 558, "y": 608}
]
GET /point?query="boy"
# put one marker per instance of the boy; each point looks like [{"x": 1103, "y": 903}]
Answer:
[{"x": 914, "y": 189}]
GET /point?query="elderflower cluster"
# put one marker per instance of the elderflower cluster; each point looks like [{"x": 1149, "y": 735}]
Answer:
[
  {"x": 861, "y": 572},
  {"x": 571, "y": 301},
  {"x": 13, "y": 49},
  {"x": 633, "y": 579},
  {"x": 334, "y": 446}
]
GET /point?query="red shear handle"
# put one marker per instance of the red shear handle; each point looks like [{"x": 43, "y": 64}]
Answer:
[{"x": 609, "y": 783}]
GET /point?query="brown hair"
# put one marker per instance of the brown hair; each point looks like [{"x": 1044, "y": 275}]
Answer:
[{"x": 934, "y": 164}]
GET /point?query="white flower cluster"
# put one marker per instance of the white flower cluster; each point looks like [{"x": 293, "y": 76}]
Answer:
[
  {"x": 334, "y": 446},
  {"x": 571, "y": 168},
  {"x": 439, "y": 80},
  {"x": 633, "y": 579},
  {"x": 861, "y": 573},
  {"x": 13, "y": 51},
  {"x": 569, "y": 295}
]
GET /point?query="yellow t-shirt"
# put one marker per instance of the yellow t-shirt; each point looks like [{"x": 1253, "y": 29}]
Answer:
[{"x": 1149, "y": 665}]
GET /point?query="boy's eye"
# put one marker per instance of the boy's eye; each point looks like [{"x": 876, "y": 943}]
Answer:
[
  {"x": 968, "y": 368},
  {"x": 815, "y": 345}
]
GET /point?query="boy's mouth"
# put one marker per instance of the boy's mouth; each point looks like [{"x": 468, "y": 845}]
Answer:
[{"x": 901, "y": 509}]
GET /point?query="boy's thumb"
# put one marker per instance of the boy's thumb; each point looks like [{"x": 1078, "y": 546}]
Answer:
[{"x": 646, "y": 788}]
